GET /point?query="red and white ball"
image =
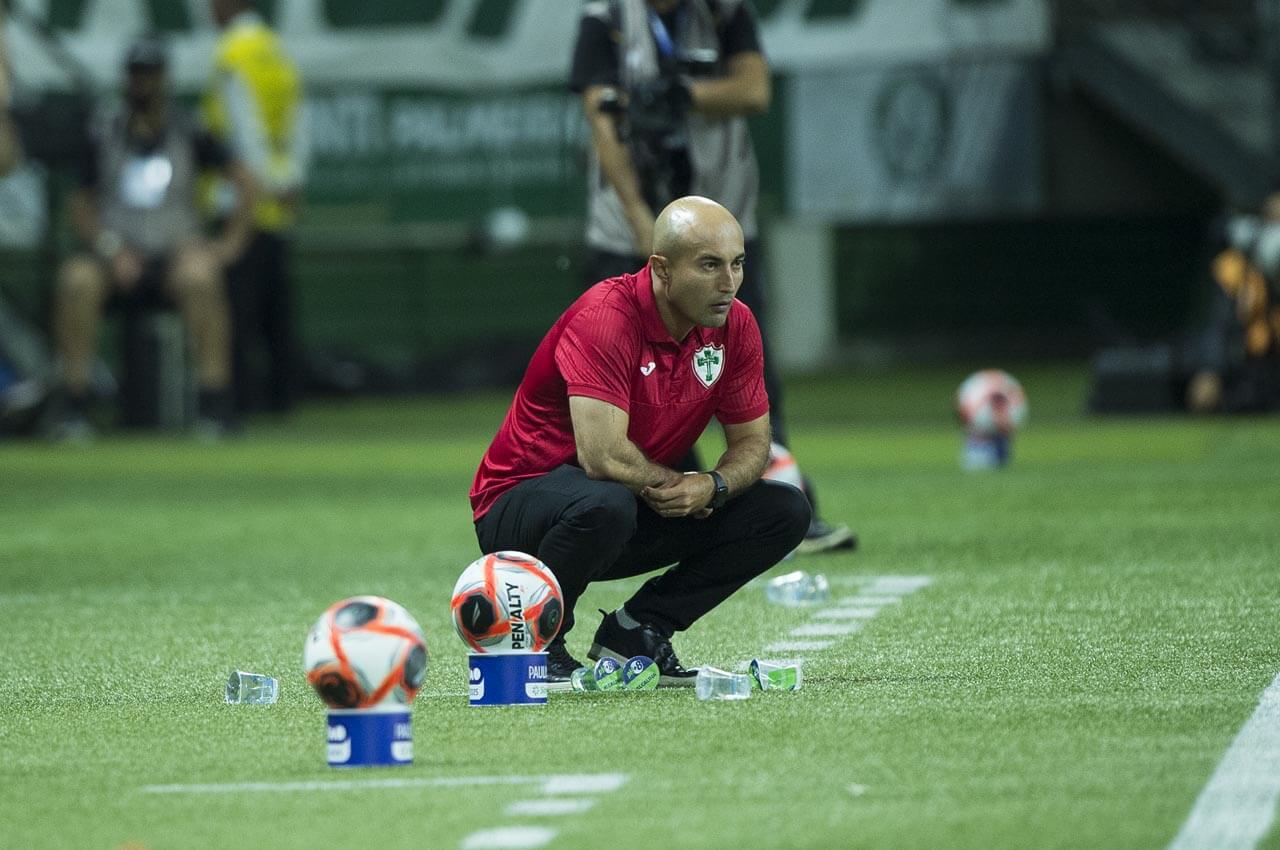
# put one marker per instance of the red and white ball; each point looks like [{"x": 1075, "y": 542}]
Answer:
[
  {"x": 991, "y": 403},
  {"x": 364, "y": 651},
  {"x": 507, "y": 602}
]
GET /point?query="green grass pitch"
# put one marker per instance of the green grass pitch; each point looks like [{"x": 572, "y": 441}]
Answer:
[{"x": 1100, "y": 623}]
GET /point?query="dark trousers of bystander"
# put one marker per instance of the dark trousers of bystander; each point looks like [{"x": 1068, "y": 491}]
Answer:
[
  {"x": 260, "y": 292},
  {"x": 586, "y": 530}
]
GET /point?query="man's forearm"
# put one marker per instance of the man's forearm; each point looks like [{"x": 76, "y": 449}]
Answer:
[
  {"x": 746, "y": 90},
  {"x": 620, "y": 172},
  {"x": 743, "y": 462},
  {"x": 628, "y": 466}
]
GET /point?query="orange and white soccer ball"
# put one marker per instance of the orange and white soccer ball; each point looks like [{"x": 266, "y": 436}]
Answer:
[
  {"x": 991, "y": 403},
  {"x": 364, "y": 651},
  {"x": 507, "y": 602}
]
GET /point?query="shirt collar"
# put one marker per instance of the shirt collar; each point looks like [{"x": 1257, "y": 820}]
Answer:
[{"x": 655, "y": 330}]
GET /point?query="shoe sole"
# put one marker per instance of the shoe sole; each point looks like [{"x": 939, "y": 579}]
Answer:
[
  {"x": 559, "y": 686},
  {"x": 828, "y": 543},
  {"x": 597, "y": 652}
]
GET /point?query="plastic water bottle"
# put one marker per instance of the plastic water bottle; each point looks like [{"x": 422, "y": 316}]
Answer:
[
  {"x": 251, "y": 689},
  {"x": 715, "y": 684},
  {"x": 783, "y": 677},
  {"x": 583, "y": 679},
  {"x": 798, "y": 589}
]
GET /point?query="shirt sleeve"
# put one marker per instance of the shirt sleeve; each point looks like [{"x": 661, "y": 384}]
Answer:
[
  {"x": 744, "y": 397},
  {"x": 595, "y": 56},
  {"x": 594, "y": 355},
  {"x": 740, "y": 33}
]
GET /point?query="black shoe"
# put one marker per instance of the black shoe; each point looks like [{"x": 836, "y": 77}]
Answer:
[
  {"x": 560, "y": 666},
  {"x": 613, "y": 641},
  {"x": 822, "y": 537}
]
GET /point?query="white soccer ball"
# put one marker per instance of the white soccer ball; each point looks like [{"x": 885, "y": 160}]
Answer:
[
  {"x": 991, "y": 403},
  {"x": 507, "y": 602},
  {"x": 783, "y": 467},
  {"x": 364, "y": 651}
]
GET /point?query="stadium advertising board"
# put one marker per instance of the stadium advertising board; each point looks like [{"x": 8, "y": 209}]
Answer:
[{"x": 444, "y": 109}]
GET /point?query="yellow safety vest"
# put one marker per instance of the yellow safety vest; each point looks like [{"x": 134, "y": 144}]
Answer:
[{"x": 251, "y": 50}]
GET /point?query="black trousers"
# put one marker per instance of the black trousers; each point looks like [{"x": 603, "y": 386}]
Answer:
[
  {"x": 260, "y": 295},
  {"x": 586, "y": 531},
  {"x": 602, "y": 264}
]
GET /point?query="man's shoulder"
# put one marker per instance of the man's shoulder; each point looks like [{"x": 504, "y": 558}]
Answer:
[
  {"x": 742, "y": 322},
  {"x": 239, "y": 43},
  {"x": 740, "y": 313},
  {"x": 611, "y": 300}
]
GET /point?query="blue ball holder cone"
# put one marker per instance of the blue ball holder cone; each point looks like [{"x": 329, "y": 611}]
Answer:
[
  {"x": 515, "y": 678},
  {"x": 381, "y": 736},
  {"x": 982, "y": 451}
]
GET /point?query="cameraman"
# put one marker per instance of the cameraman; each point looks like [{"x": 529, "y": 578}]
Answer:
[{"x": 666, "y": 86}]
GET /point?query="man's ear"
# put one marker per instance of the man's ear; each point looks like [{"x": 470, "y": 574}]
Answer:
[{"x": 661, "y": 270}]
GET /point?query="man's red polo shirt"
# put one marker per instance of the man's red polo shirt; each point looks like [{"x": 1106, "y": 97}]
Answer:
[{"x": 611, "y": 345}]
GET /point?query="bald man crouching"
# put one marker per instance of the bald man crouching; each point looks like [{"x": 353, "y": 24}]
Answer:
[{"x": 620, "y": 388}]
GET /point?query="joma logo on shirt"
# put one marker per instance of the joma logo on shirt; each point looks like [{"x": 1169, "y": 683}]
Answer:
[{"x": 708, "y": 362}]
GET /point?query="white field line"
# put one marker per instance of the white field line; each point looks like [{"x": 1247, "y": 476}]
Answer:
[
  {"x": 848, "y": 613},
  {"x": 845, "y": 613},
  {"x": 521, "y": 837},
  {"x": 799, "y": 646},
  {"x": 888, "y": 585},
  {"x": 509, "y": 838},
  {"x": 1236, "y": 808},
  {"x": 897, "y": 585},
  {"x": 825, "y": 629},
  {"x": 584, "y": 783},
  {"x": 551, "y": 784},
  {"x": 549, "y": 807},
  {"x": 867, "y": 599}
]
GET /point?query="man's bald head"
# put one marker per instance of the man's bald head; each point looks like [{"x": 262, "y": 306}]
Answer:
[
  {"x": 688, "y": 222},
  {"x": 696, "y": 266}
]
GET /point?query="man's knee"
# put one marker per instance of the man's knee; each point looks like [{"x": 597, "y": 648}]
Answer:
[
  {"x": 609, "y": 509},
  {"x": 195, "y": 273},
  {"x": 787, "y": 506},
  {"x": 81, "y": 280}
]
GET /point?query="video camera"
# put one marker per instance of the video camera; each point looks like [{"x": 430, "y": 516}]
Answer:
[{"x": 651, "y": 123}]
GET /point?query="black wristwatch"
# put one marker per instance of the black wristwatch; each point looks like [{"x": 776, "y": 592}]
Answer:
[{"x": 722, "y": 491}]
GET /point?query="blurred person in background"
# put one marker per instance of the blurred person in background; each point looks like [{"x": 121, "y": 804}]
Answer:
[
  {"x": 666, "y": 86},
  {"x": 136, "y": 216},
  {"x": 10, "y": 153},
  {"x": 254, "y": 104},
  {"x": 1235, "y": 356}
]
